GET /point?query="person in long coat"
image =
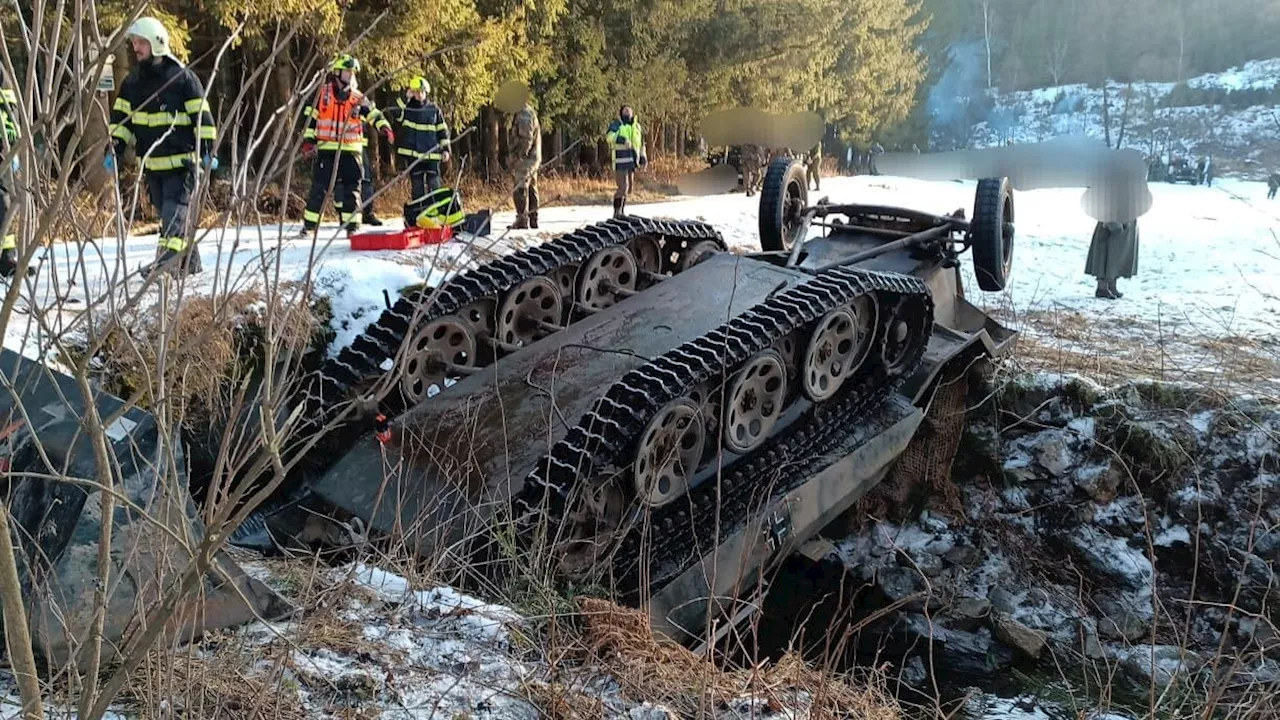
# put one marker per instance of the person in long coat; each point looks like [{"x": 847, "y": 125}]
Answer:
[{"x": 1113, "y": 253}]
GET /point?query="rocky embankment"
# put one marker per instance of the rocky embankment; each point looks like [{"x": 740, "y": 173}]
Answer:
[{"x": 1122, "y": 538}]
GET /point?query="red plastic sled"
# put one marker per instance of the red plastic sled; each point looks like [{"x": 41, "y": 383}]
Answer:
[{"x": 399, "y": 239}]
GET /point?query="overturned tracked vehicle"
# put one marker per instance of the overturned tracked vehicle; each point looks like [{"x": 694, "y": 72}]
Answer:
[{"x": 638, "y": 407}]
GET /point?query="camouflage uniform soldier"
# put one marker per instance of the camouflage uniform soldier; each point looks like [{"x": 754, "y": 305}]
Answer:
[
  {"x": 813, "y": 166},
  {"x": 1273, "y": 184},
  {"x": 752, "y": 159},
  {"x": 524, "y": 146}
]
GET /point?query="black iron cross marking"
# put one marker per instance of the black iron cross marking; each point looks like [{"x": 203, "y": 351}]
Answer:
[{"x": 777, "y": 527}]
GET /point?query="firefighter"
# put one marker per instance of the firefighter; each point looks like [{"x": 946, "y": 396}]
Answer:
[
  {"x": 423, "y": 141},
  {"x": 335, "y": 137},
  {"x": 379, "y": 122},
  {"x": 162, "y": 111},
  {"x": 8, "y": 139},
  {"x": 627, "y": 142},
  {"x": 524, "y": 148}
]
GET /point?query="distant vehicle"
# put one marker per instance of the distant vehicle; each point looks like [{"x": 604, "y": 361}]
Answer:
[{"x": 1182, "y": 171}]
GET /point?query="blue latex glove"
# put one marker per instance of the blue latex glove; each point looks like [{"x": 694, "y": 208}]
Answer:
[
  {"x": 209, "y": 162},
  {"x": 109, "y": 162},
  {"x": 15, "y": 164}
]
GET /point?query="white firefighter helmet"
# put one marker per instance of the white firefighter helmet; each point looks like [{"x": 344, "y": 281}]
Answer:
[{"x": 153, "y": 31}]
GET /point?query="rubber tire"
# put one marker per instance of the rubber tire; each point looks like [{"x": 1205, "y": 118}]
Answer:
[
  {"x": 992, "y": 253},
  {"x": 782, "y": 173}
]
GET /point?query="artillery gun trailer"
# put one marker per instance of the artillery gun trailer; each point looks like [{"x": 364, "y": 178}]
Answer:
[{"x": 668, "y": 418}]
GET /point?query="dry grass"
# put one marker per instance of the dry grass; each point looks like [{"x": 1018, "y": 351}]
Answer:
[
  {"x": 210, "y": 343},
  {"x": 658, "y": 670},
  {"x": 1112, "y": 350}
]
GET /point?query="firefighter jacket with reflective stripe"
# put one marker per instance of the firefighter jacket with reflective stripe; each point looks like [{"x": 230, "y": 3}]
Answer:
[
  {"x": 8, "y": 106},
  {"x": 423, "y": 134},
  {"x": 335, "y": 120},
  {"x": 377, "y": 119},
  {"x": 162, "y": 111},
  {"x": 627, "y": 144}
]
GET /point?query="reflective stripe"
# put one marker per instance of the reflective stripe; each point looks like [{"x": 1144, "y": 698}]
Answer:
[
  {"x": 197, "y": 105},
  {"x": 10, "y": 242},
  {"x": 424, "y": 127},
  {"x": 124, "y": 133},
  {"x": 436, "y": 213},
  {"x": 419, "y": 155},
  {"x": 159, "y": 119},
  {"x": 176, "y": 244},
  {"x": 122, "y": 105},
  {"x": 208, "y": 133},
  {"x": 169, "y": 162},
  {"x": 311, "y": 217},
  {"x": 346, "y": 218},
  {"x": 354, "y": 147}
]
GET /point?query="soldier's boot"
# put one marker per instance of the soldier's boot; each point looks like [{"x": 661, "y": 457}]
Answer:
[
  {"x": 617, "y": 207},
  {"x": 533, "y": 208},
  {"x": 521, "y": 197},
  {"x": 1115, "y": 292}
]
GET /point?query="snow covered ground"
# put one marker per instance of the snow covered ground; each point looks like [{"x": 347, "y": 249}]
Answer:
[
  {"x": 1242, "y": 131},
  {"x": 1208, "y": 263}
]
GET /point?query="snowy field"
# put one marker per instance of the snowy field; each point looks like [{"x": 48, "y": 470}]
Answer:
[{"x": 1203, "y": 305}]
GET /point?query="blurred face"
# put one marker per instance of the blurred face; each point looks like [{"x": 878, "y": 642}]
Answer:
[
  {"x": 626, "y": 113},
  {"x": 345, "y": 76},
  {"x": 141, "y": 47},
  {"x": 417, "y": 95}
]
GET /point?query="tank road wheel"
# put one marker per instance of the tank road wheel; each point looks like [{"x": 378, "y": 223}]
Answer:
[
  {"x": 991, "y": 233},
  {"x": 647, "y": 254},
  {"x": 443, "y": 343},
  {"x": 904, "y": 330},
  {"x": 525, "y": 310},
  {"x": 699, "y": 252},
  {"x": 755, "y": 402},
  {"x": 669, "y": 452},
  {"x": 837, "y": 348},
  {"x": 606, "y": 277},
  {"x": 782, "y": 202},
  {"x": 564, "y": 277}
]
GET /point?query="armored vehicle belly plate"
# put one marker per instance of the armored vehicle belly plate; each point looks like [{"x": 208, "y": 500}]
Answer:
[{"x": 492, "y": 427}]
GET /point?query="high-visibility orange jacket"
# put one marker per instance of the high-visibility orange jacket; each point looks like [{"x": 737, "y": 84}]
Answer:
[{"x": 335, "y": 121}]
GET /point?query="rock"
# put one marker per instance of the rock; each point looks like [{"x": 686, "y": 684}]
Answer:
[
  {"x": 1099, "y": 482},
  {"x": 1090, "y": 645},
  {"x": 914, "y": 672},
  {"x": 1121, "y": 618},
  {"x": 899, "y": 582},
  {"x": 929, "y": 564},
  {"x": 959, "y": 654},
  {"x": 1160, "y": 665},
  {"x": 969, "y": 613},
  {"x": 932, "y": 522},
  {"x": 1113, "y": 557},
  {"x": 1053, "y": 452},
  {"x": 963, "y": 555},
  {"x": 1003, "y": 599},
  {"x": 1019, "y": 637}
]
